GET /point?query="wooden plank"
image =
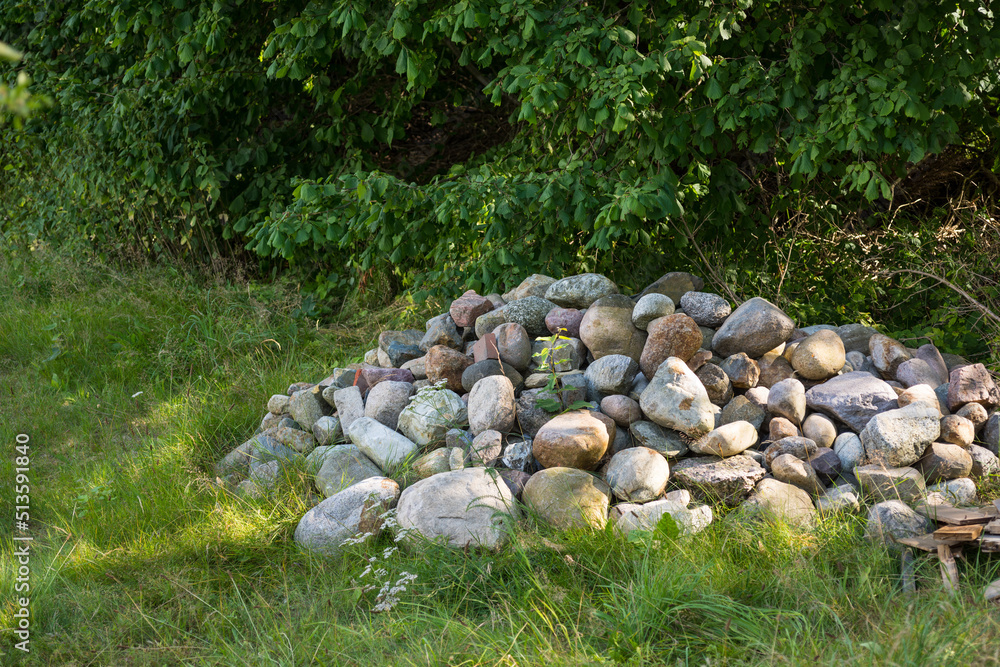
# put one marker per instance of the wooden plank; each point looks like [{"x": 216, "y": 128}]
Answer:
[
  {"x": 952, "y": 515},
  {"x": 993, "y": 527},
  {"x": 963, "y": 533},
  {"x": 926, "y": 542},
  {"x": 996, "y": 504},
  {"x": 990, "y": 543},
  {"x": 949, "y": 571}
]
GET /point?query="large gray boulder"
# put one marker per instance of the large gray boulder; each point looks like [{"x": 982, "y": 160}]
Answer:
[
  {"x": 354, "y": 511},
  {"x": 462, "y": 508},
  {"x": 529, "y": 312},
  {"x": 611, "y": 374},
  {"x": 580, "y": 291},
  {"x": 852, "y": 398},
  {"x": 675, "y": 398},
  {"x": 756, "y": 327},
  {"x": 899, "y": 437}
]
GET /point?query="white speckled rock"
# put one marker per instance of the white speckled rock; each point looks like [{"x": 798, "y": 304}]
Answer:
[
  {"x": 705, "y": 308},
  {"x": 628, "y": 517},
  {"x": 430, "y": 414},
  {"x": 899, "y": 437}
]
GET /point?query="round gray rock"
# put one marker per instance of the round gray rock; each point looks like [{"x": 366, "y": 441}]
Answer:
[
  {"x": 386, "y": 400},
  {"x": 611, "y": 374},
  {"x": 638, "y": 474},
  {"x": 580, "y": 291},
  {"x": 892, "y": 520},
  {"x": 491, "y": 405},
  {"x": 705, "y": 308},
  {"x": 651, "y": 307},
  {"x": 756, "y": 327}
]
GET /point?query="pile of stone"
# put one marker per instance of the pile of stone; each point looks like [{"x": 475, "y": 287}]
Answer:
[{"x": 583, "y": 405}]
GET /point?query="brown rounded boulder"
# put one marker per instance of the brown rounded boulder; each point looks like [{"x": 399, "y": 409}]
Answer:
[
  {"x": 572, "y": 440},
  {"x": 675, "y": 335},
  {"x": 444, "y": 363}
]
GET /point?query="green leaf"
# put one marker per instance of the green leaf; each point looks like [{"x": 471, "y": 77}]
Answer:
[{"x": 714, "y": 90}]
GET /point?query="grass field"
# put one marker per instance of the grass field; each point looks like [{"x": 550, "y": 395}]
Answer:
[{"x": 130, "y": 383}]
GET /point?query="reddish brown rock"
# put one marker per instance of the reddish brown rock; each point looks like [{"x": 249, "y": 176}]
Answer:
[
  {"x": 485, "y": 348},
  {"x": 782, "y": 428},
  {"x": 466, "y": 308},
  {"x": 675, "y": 335},
  {"x": 972, "y": 384},
  {"x": 369, "y": 377},
  {"x": 567, "y": 319},
  {"x": 700, "y": 358},
  {"x": 773, "y": 370},
  {"x": 444, "y": 363}
]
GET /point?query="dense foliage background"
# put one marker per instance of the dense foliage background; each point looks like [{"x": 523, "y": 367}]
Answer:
[{"x": 804, "y": 151}]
